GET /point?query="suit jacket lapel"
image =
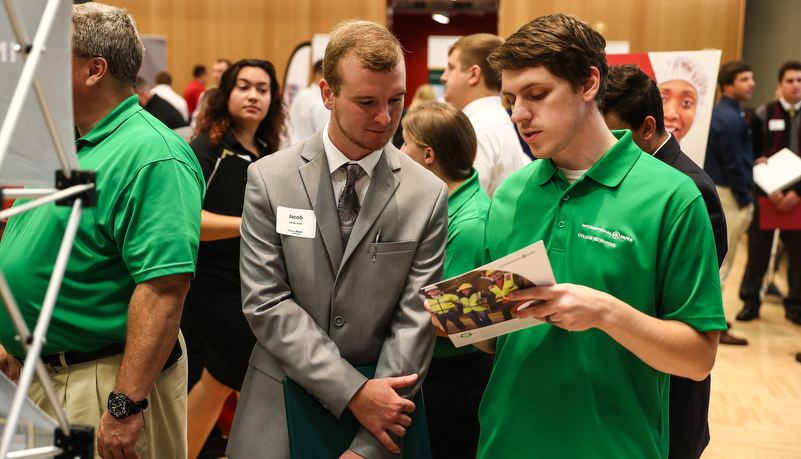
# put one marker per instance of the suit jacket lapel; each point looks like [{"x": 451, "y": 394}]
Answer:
[
  {"x": 382, "y": 186},
  {"x": 317, "y": 181}
]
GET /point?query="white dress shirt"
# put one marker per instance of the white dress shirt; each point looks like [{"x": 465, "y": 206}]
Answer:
[
  {"x": 307, "y": 114},
  {"x": 499, "y": 151},
  {"x": 337, "y": 159}
]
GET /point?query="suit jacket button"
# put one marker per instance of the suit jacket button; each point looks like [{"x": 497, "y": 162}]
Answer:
[{"x": 339, "y": 321}]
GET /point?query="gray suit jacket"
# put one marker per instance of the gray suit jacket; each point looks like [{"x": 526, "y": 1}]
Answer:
[{"x": 319, "y": 310}]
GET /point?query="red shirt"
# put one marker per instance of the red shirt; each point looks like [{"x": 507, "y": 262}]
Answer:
[{"x": 192, "y": 95}]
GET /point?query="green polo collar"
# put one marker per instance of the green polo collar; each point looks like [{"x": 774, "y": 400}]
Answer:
[
  {"x": 109, "y": 123},
  {"x": 610, "y": 170},
  {"x": 463, "y": 194}
]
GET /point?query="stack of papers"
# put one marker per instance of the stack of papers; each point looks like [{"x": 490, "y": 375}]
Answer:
[{"x": 781, "y": 170}]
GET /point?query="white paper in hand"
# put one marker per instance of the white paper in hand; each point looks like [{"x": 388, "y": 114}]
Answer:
[{"x": 778, "y": 172}]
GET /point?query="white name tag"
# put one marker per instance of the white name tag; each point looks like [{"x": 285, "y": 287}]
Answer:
[
  {"x": 296, "y": 222},
  {"x": 775, "y": 125}
]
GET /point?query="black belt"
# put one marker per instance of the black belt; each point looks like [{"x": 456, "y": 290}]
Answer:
[{"x": 76, "y": 357}]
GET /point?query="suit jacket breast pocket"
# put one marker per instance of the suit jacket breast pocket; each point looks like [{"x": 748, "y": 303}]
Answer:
[
  {"x": 393, "y": 255},
  {"x": 391, "y": 261},
  {"x": 393, "y": 247}
]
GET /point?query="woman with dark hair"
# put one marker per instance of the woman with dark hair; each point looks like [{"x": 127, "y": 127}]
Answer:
[
  {"x": 441, "y": 138},
  {"x": 242, "y": 123}
]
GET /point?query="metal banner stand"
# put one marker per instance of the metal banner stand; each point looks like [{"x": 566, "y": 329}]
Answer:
[{"x": 73, "y": 188}]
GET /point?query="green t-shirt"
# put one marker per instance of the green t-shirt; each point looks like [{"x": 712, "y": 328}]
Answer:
[
  {"x": 632, "y": 227},
  {"x": 146, "y": 225},
  {"x": 467, "y": 214}
]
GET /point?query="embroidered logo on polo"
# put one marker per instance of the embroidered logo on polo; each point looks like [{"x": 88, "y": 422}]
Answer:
[{"x": 615, "y": 235}]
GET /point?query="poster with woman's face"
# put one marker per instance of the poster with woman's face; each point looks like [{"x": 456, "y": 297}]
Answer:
[{"x": 687, "y": 81}]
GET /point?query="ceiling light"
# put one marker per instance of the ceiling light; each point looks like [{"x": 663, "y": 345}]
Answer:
[{"x": 442, "y": 18}]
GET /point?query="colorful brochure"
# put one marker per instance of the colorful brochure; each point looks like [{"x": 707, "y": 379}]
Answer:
[{"x": 475, "y": 306}]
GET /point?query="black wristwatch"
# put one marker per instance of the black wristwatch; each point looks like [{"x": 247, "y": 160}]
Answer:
[{"x": 120, "y": 406}]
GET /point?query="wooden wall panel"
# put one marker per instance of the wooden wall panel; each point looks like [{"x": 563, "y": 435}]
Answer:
[
  {"x": 202, "y": 31},
  {"x": 649, "y": 25}
]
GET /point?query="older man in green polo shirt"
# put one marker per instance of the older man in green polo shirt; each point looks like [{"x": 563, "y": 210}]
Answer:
[
  {"x": 112, "y": 346},
  {"x": 630, "y": 243}
]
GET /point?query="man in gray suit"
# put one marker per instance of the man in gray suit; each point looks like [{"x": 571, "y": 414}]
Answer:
[{"x": 324, "y": 293}]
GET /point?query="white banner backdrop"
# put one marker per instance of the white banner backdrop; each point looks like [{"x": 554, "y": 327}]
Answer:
[
  {"x": 31, "y": 157},
  {"x": 297, "y": 72}
]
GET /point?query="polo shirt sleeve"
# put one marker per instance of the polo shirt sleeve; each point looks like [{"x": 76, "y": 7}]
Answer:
[
  {"x": 688, "y": 272},
  {"x": 157, "y": 220}
]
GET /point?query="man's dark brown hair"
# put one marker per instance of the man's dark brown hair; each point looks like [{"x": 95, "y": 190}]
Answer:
[
  {"x": 563, "y": 44},
  {"x": 788, "y": 65},
  {"x": 730, "y": 70}
]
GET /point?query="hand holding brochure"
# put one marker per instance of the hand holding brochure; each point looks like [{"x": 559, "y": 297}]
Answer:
[
  {"x": 781, "y": 170},
  {"x": 475, "y": 306}
]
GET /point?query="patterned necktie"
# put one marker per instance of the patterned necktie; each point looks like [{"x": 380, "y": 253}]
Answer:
[
  {"x": 791, "y": 112},
  {"x": 348, "y": 205}
]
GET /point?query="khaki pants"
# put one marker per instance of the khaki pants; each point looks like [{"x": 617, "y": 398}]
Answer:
[
  {"x": 737, "y": 221},
  {"x": 83, "y": 391}
]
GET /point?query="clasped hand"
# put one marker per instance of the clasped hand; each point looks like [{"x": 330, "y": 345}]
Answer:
[{"x": 379, "y": 408}]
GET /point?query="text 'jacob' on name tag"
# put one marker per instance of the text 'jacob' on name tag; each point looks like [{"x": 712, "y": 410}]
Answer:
[{"x": 296, "y": 222}]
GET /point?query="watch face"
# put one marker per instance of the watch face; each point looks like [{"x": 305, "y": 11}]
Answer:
[{"x": 118, "y": 405}]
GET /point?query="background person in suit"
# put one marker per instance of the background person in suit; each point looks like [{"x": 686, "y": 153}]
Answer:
[
  {"x": 163, "y": 89},
  {"x": 632, "y": 101},
  {"x": 158, "y": 107},
  {"x": 321, "y": 298},
  {"x": 775, "y": 126}
]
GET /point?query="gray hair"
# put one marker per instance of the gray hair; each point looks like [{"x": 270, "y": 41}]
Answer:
[{"x": 105, "y": 31}]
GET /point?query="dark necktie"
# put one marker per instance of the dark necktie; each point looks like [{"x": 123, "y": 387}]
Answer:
[{"x": 348, "y": 204}]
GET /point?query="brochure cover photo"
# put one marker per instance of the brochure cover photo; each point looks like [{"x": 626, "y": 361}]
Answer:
[{"x": 475, "y": 306}]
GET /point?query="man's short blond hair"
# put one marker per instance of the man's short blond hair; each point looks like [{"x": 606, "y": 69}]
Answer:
[
  {"x": 475, "y": 49},
  {"x": 373, "y": 45}
]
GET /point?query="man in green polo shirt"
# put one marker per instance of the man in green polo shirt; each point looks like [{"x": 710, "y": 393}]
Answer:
[
  {"x": 113, "y": 338},
  {"x": 630, "y": 243}
]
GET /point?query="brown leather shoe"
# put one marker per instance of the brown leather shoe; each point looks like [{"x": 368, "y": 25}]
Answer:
[{"x": 726, "y": 338}]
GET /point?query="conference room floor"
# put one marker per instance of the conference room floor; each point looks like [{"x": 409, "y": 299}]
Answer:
[{"x": 755, "y": 409}]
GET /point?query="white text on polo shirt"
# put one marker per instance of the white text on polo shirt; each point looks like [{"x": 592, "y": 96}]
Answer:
[
  {"x": 613, "y": 234},
  {"x": 597, "y": 239}
]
